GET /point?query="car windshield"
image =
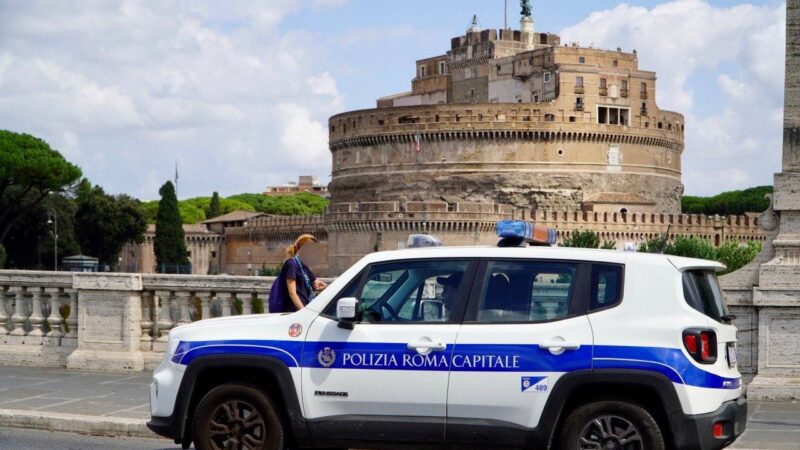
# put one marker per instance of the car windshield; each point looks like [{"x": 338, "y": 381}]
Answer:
[{"x": 701, "y": 291}]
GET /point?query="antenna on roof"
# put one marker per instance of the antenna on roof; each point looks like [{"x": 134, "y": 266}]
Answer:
[{"x": 505, "y": 15}]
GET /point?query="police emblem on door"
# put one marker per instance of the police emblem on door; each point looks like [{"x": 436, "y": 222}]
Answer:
[
  {"x": 326, "y": 357},
  {"x": 533, "y": 384}
]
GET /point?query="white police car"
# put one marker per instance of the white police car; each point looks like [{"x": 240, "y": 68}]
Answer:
[{"x": 520, "y": 347}]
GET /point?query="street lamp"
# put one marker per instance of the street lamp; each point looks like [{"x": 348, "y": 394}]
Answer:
[
  {"x": 249, "y": 254},
  {"x": 52, "y": 218}
]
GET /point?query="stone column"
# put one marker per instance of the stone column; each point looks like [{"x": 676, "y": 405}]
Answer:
[
  {"x": 165, "y": 322},
  {"x": 184, "y": 301},
  {"x": 147, "y": 321},
  {"x": 777, "y": 294},
  {"x": 36, "y": 318},
  {"x": 18, "y": 318},
  {"x": 3, "y": 312},
  {"x": 109, "y": 323},
  {"x": 247, "y": 302},
  {"x": 224, "y": 303},
  {"x": 54, "y": 319},
  {"x": 205, "y": 304}
]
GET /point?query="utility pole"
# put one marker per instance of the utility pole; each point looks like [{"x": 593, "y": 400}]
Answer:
[{"x": 53, "y": 218}]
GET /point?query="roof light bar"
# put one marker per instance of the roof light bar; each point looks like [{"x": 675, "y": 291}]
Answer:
[
  {"x": 515, "y": 233},
  {"x": 422, "y": 240}
]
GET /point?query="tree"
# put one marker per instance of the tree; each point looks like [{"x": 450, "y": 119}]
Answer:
[
  {"x": 169, "y": 244},
  {"x": 728, "y": 203},
  {"x": 105, "y": 223},
  {"x": 587, "y": 239},
  {"x": 731, "y": 253},
  {"x": 214, "y": 209},
  {"x": 29, "y": 171},
  {"x": 29, "y": 242}
]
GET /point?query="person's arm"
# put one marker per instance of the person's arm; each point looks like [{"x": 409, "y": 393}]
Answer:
[{"x": 291, "y": 287}]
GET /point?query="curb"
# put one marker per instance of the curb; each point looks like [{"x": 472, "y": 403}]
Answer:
[{"x": 75, "y": 423}]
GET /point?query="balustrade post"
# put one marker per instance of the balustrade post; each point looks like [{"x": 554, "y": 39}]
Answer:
[
  {"x": 247, "y": 303},
  {"x": 18, "y": 318},
  {"x": 225, "y": 303},
  {"x": 36, "y": 318},
  {"x": 205, "y": 305},
  {"x": 165, "y": 322},
  {"x": 54, "y": 319},
  {"x": 3, "y": 311},
  {"x": 146, "y": 341},
  {"x": 71, "y": 336},
  {"x": 184, "y": 299}
]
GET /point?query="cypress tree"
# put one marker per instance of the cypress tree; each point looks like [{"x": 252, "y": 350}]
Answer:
[
  {"x": 214, "y": 209},
  {"x": 169, "y": 244}
]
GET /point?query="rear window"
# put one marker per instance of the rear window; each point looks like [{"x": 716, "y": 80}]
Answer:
[{"x": 701, "y": 291}]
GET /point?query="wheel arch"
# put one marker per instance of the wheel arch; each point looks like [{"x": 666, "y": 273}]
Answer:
[
  {"x": 264, "y": 372},
  {"x": 651, "y": 390}
]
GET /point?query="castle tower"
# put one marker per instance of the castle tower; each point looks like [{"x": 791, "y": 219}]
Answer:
[{"x": 526, "y": 22}]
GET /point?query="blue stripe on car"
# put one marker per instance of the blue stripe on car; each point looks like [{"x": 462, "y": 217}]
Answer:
[{"x": 670, "y": 362}]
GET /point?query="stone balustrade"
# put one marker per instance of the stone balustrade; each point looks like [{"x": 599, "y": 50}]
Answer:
[{"x": 111, "y": 321}]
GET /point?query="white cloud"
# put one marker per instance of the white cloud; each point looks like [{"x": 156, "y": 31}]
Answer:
[
  {"x": 684, "y": 41},
  {"x": 126, "y": 88}
]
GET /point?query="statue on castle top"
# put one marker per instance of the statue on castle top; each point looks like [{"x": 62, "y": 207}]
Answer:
[{"x": 526, "y": 8}]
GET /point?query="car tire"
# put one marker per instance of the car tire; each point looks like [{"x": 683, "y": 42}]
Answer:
[
  {"x": 238, "y": 415},
  {"x": 601, "y": 423}
]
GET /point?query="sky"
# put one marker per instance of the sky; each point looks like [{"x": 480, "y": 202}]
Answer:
[{"x": 238, "y": 93}]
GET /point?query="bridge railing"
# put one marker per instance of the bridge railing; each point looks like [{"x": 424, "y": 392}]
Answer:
[{"x": 111, "y": 321}]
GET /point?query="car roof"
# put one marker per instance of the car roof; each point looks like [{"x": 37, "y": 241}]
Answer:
[{"x": 563, "y": 253}]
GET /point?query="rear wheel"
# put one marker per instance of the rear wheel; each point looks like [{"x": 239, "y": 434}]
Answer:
[
  {"x": 611, "y": 425},
  {"x": 237, "y": 417}
]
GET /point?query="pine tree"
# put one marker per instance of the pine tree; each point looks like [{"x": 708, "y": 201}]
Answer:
[
  {"x": 169, "y": 244},
  {"x": 214, "y": 209}
]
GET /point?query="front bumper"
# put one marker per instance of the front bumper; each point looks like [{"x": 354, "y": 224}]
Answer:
[
  {"x": 698, "y": 430},
  {"x": 168, "y": 427}
]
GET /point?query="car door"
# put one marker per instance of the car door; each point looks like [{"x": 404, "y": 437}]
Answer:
[
  {"x": 386, "y": 378},
  {"x": 525, "y": 327}
]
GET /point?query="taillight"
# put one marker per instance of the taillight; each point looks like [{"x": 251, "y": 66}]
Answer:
[{"x": 701, "y": 344}]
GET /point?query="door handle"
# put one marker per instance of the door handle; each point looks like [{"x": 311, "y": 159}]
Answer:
[
  {"x": 557, "y": 346},
  {"x": 425, "y": 346}
]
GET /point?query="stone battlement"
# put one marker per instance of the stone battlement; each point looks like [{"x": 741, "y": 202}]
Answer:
[{"x": 545, "y": 121}]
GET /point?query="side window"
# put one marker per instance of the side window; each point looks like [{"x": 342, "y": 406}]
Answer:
[
  {"x": 701, "y": 291},
  {"x": 411, "y": 291},
  {"x": 606, "y": 287},
  {"x": 526, "y": 291}
]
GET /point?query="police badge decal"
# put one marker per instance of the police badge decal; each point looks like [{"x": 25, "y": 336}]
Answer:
[{"x": 326, "y": 357}]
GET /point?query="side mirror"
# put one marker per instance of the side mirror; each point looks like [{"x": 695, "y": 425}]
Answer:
[
  {"x": 346, "y": 312},
  {"x": 432, "y": 310}
]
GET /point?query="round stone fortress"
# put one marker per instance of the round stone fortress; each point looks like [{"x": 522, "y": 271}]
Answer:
[{"x": 515, "y": 117}]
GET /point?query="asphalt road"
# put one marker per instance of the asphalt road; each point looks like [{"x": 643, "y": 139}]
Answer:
[{"x": 16, "y": 438}]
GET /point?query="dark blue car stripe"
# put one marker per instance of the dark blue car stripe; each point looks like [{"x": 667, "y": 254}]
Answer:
[{"x": 670, "y": 362}]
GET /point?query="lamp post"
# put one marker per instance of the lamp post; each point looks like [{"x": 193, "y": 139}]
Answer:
[
  {"x": 52, "y": 218},
  {"x": 249, "y": 253}
]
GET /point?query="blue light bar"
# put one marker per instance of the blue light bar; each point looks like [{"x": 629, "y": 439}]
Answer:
[
  {"x": 422, "y": 240},
  {"x": 517, "y": 232}
]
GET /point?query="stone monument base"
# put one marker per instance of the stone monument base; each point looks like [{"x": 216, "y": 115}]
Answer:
[
  {"x": 773, "y": 388},
  {"x": 106, "y": 361}
]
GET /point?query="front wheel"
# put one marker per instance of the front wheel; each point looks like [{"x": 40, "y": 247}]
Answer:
[
  {"x": 237, "y": 416},
  {"x": 611, "y": 425}
]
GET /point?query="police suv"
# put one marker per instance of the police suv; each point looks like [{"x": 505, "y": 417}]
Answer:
[{"x": 512, "y": 346}]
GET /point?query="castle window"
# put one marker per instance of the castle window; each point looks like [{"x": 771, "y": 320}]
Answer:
[
  {"x": 333, "y": 128},
  {"x": 536, "y": 98},
  {"x": 579, "y": 104},
  {"x": 613, "y": 116},
  {"x": 644, "y": 108},
  {"x": 422, "y": 71},
  {"x": 437, "y": 118},
  {"x": 603, "y": 82},
  {"x": 660, "y": 126},
  {"x": 498, "y": 69},
  {"x": 582, "y": 60},
  {"x": 579, "y": 81},
  {"x": 458, "y": 118},
  {"x": 549, "y": 118},
  {"x": 380, "y": 121},
  {"x": 480, "y": 117},
  {"x": 547, "y": 77},
  {"x": 572, "y": 119},
  {"x": 625, "y": 85},
  {"x": 616, "y": 63},
  {"x": 441, "y": 68},
  {"x": 213, "y": 253}
]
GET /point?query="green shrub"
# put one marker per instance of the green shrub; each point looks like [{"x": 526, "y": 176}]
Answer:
[
  {"x": 587, "y": 239},
  {"x": 731, "y": 253},
  {"x": 265, "y": 271},
  {"x": 258, "y": 306},
  {"x": 735, "y": 255}
]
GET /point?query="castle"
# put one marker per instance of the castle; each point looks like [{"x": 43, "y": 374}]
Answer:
[{"x": 505, "y": 124}]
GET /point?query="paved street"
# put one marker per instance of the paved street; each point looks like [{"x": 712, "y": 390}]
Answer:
[
  {"x": 16, "y": 438},
  {"x": 94, "y": 395}
]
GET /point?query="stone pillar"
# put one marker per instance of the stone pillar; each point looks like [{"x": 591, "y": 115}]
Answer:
[
  {"x": 777, "y": 295},
  {"x": 184, "y": 302},
  {"x": 3, "y": 313},
  {"x": 18, "y": 318},
  {"x": 147, "y": 321},
  {"x": 71, "y": 336},
  {"x": 36, "y": 318},
  {"x": 109, "y": 323},
  {"x": 205, "y": 305},
  {"x": 165, "y": 322},
  {"x": 247, "y": 302},
  {"x": 54, "y": 319},
  {"x": 224, "y": 303}
]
